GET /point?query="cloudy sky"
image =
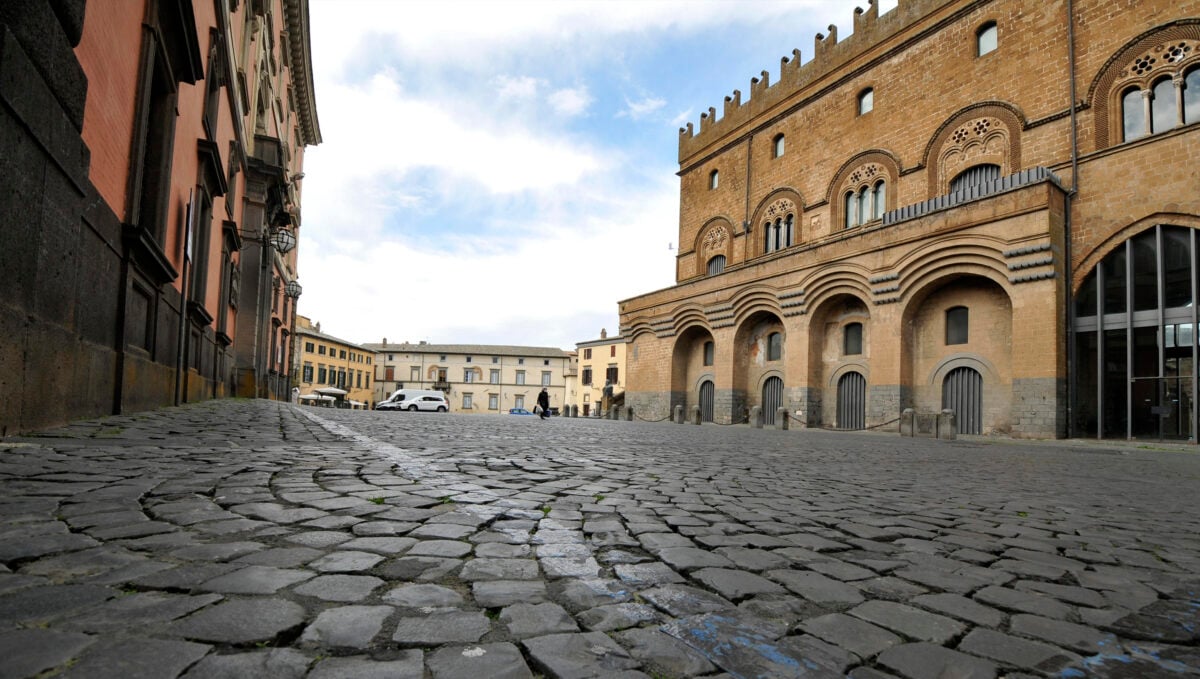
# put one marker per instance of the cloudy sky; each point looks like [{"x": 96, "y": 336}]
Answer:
[{"x": 498, "y": 172}]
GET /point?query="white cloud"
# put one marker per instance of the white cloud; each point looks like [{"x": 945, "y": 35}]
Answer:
[
  {"x": 570, "y": 101},
  {"x": 640, "y": 109},
  {"x": 522, "y": 87}
]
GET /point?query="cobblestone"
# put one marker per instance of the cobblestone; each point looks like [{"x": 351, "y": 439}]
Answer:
[{"x": 179, "y": 541}]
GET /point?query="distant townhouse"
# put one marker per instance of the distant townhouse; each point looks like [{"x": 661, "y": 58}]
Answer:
[
  {"x": 326, "y": 361},
  {"x": 601, "y": 364},
  {"x": 476, "y": 378}
]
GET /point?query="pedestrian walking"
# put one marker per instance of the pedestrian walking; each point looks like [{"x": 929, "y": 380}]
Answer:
[{"x": 543, "y": 402}]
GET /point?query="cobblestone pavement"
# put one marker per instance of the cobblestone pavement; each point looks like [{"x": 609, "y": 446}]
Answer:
[{"x": 257, "y": 539}]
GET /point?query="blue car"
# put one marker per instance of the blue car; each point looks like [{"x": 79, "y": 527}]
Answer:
[{"x": 518, "y": 411}]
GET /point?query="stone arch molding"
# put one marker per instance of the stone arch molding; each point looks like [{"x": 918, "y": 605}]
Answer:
[
  {"x": 984, "y": 133},
  {"x": 977, "y": 363},
  {"x": 849, "y": 367},
  {"x": 863, "y": 170}
]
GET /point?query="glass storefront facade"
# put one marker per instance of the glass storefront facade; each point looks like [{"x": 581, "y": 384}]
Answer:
[{"x": 1135, "y": 339}]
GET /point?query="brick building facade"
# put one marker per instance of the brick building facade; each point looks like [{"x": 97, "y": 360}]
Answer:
[
  {"x": 149, "y": 158},
  {"x": 988, "y": 206}
]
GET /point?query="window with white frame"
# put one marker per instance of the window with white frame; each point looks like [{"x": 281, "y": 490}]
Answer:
[
  {"x": 494, "y": 376},
  {"x": 545, "y": 378},
  {"x": 520, "y": 377},
  {"x": 468, "y": 400},
  {"x": 493, "y": 402}
]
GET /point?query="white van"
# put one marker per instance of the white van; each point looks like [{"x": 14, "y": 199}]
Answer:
[{"x": 415, "y": 399}]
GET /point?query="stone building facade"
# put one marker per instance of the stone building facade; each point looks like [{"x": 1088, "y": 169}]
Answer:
[
  {"x": 326, "y": 361},
  {"x": 601, "y": 364},
  {"x": 149, "y": 151},
  {"x": 479, "y": 379},
  {"x": 982, "y": 205}
]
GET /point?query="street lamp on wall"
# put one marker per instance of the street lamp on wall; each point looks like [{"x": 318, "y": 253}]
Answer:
[
  {"x": 283, "y": 240},
  {"x": 292, "y": 289}
]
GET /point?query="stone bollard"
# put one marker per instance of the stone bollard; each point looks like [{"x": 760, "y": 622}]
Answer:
[
  {"x": 694, "y": 415},
  {"x": 946, "y": 429},
  {"x": 612, "y": 412},
  {"x": 678, "y": 415},
  {"x": 627, "y": 413},
  {"x": 756, "y": 417},
  {"x": 908, "y": 422},
  {"x": 574, "y": 411},
  {"x": 781, "y": 418}
]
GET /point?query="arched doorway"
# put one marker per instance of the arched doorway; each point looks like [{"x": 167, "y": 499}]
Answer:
[
  {"x": 759, "y": 353},
  {"x": 707, "y": 397},
  {"x": 772, "y": 398},
  {"x": 962, "y": 392},
  {"x": 852, "y": 401},
  {"x": 692, "y": 367}
]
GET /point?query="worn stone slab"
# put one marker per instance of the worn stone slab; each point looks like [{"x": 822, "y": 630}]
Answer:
[
  {"x": 280, "y": 557},
  {"x": 1017, "y": 652},
  {"x": 928, "y": 661},
  {"x": 342, "y": 588},
  {"x": 409, "y": 665},
  {"x": 1023, "y": 602},
  {"x": 255, "y": 580},
  {"x": 423, "y": 595},
  {"x": 499, "y": 593},
  {"x": 857, "y": 636},
  {"x": 813, "y": 650},
  {"x": 736, "y": 585},
  {"x": 662, "y": 654},
  {"x": 535, "y": 620},
  {"x": 275, "y": 663},
  {"x": 217, "y": 551},
  {"x": 29, "y": 652},
  {"x": 570, "y": 567},
  {"x": 680, "y": 600},
  {"x": 578, "y": 656},
  {"x": 961, "y": 608},
  {"x": 495, "y": 661},
  {"x": 441, "y": 627},
  {"x": 348, "y": 561},
  {"x": 743, "y": 648},
  {"x": 138, "y": 609},
  {"x": 1079, "y": 638},
  {"x": 617, "y": 617},
  {"x": 911, "y": 622},
  {"x": 319, "y": 539},
  {"x": 499, "y": 569},
  {"x": 389, "y": 546},
  {"x": 817, "y": 588},
  {"x": 135, "y": 658},
  {"x": 423, "y": 568},
  {"x": 39, "y": 604},
  {"x": 240, "y": 621},
  {"x": 687, "y": 559},
  {"x": 346, "y": 626},
  {"x": 647, "y": 574}
]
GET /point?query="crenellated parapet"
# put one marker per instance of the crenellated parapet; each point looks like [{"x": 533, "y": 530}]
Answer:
[{"x": 870, "y": 29}]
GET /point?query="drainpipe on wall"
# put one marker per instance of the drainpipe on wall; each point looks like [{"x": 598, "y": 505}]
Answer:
[
  {"x": 1067, "y": 264},
  {"x": 749, "y": 174}
]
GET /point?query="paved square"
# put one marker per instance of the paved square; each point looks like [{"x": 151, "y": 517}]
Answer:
[{"x": 581, "y": 547}]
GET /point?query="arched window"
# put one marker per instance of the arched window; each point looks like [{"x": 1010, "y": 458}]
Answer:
[
  {"x": 956, "y": 325},
  {"x": 774, "y": 346},
  {"x": 708, "y": 353},
  {"x": 1191, "y": 97},
  {"x": 716, "y": 265},
  {"x": 778, "y": 234},
  {"x": 1164, "y": 108},
  {"x": 866, "y": 101},
  {"x": 986, "y": 38},
  {"x": 1133, "y": 114},
  {"x": 777, "y": 146},
  {"x": 852, "y": 337},
  {"x": 975, "y": 175},
  {"x": 878, "y": 199},
  {"x": 713, "y": 179},
  {"x": 850, "y": 209}
]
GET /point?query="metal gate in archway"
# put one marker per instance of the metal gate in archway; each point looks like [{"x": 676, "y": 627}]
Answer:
[
  {"x": 707, "y": 397},
  {"x": 852, "y": 401},
  {"x": 962, "y": 392},
  {"x": 772, "y": 398}
]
